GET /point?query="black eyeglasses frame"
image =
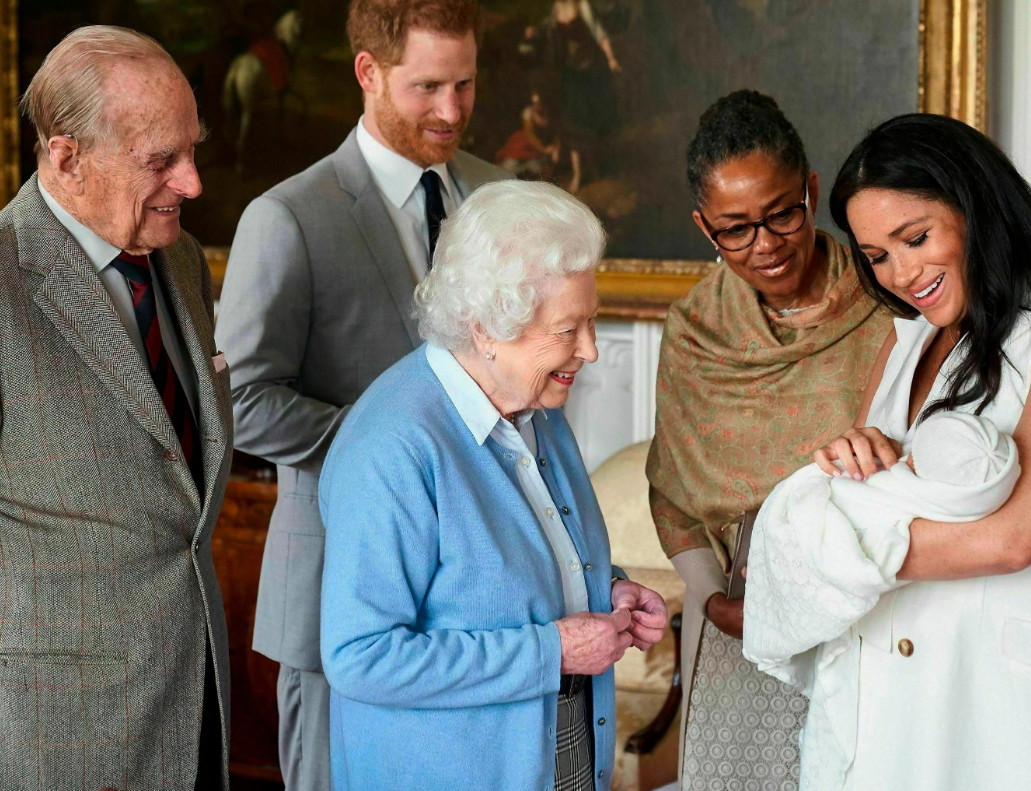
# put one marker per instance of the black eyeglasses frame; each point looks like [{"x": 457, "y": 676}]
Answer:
[{"x": 714, "y": 235}]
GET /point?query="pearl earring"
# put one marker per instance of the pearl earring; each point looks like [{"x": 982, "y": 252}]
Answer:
[{"x": 489, "y": 355}]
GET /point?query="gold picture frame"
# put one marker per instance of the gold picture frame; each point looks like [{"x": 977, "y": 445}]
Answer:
[{"x": 952, "y": 75}]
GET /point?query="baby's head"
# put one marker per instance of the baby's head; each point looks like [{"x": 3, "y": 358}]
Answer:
[{"x": 958, "y": 449}]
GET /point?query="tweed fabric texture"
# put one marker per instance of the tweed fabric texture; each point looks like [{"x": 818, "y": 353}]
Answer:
[
  {"x": 107, "y": 585},
  {"x": 574, "y": 759}
]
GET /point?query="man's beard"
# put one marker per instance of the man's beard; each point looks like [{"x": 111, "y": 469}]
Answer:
[{"x": 407, "y": 139}]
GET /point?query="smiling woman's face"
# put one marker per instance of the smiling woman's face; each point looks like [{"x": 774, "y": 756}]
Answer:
[
  {"x": 537, "y": 369},
  {"x": 916, "y": 247},
  {"x": 749, "y": 189}
]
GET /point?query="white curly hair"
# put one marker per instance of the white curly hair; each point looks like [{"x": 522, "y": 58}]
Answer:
[{"x": 494, "y": 255}]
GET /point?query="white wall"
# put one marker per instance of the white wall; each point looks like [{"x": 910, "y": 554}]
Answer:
[
  {"x": 612, "y": 404},
  {"x": 1009, "y": 79}
]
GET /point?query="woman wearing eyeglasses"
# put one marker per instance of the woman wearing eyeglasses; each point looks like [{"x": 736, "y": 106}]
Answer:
[{"x": 763, "y": 359}]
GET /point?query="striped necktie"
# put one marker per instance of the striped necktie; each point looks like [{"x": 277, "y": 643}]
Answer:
[{"x": 136, "y": 269}]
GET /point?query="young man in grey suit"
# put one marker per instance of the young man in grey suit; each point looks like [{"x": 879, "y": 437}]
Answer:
[
  {"x": 317, "y": 302},
  {"x": 115, "y": 438}
]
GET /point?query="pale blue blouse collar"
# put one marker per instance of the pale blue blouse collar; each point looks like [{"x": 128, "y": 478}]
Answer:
[{"x": 475, "y": 409}]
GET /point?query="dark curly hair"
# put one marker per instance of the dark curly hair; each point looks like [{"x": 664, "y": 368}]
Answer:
[
  {"x": 942, "y": 159},
  {"x": 739, "y": 124}
]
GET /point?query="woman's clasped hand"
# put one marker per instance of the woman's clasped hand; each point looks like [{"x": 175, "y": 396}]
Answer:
[{"x": 593, "y": 642}]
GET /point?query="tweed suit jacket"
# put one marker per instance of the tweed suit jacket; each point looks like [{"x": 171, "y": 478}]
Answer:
[
  {"x": 107, "y": 585},
  {"x": 317, "y": 302}
]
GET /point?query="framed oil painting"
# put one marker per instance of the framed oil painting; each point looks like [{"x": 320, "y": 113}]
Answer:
[{"x": 599, "y": 96}]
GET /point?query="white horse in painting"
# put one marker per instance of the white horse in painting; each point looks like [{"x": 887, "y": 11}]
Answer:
[{"x": 247, "y": 83}]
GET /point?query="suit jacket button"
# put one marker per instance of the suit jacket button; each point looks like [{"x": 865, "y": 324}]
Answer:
[
  {"x": 906, "y": 647},
  {"x": 171, "y": 455}
]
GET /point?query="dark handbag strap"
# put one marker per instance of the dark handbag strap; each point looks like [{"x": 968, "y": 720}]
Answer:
[{"x": 736, "y": 587}]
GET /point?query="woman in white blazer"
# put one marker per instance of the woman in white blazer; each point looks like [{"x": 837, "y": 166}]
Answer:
[{"x": 940, "y": 226}]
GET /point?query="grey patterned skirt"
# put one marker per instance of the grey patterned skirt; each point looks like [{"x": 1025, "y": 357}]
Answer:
[
  {"x": 574, "y": 748},
  {"x": 742, "y": 725}
]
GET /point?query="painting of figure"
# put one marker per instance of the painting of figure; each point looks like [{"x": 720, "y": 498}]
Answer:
[
  {"x": 597, "y": 96},
  {"x": 618, "y": 86}
]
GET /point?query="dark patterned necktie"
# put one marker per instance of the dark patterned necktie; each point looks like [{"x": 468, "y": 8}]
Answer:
[
  {"x": 435, "y": 213},
  {"x": 136, "y": 269}
]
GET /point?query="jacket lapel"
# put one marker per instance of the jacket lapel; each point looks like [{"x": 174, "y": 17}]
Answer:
[
  {"x": 73, "y": 298},
  {"x": 177, "y": 268},
  {"x": 378, "y": 231},
  {"x": 460, "y": 178}
]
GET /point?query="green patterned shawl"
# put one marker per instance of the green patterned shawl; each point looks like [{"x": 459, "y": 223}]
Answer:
[{"x": 745, "y": 396}]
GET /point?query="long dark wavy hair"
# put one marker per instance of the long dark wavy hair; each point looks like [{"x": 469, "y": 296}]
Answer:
[{"x": 945, "y": 160}]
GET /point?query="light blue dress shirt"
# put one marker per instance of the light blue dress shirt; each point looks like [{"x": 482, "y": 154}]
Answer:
[
  {"x": 440, "y": 593},
  {"x": 101, "y": 253}
]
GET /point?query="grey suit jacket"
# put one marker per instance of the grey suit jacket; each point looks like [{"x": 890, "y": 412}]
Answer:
[
  {"x": 317, "y": 303},
  {"x": 107, "y": 586}
]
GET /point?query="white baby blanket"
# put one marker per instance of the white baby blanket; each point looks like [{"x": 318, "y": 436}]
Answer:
[{"x": 823, "y": 552}]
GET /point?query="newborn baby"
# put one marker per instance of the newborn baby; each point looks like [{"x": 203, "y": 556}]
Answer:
[
  {"x": 960, "y": 450},
  {"x": 824, "y": 549}
]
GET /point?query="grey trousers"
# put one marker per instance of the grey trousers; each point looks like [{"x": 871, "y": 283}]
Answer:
[{"x": 303, "y": 699}]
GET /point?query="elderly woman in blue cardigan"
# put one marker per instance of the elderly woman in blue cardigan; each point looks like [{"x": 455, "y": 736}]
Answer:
[{"x": 470, "y": 615}]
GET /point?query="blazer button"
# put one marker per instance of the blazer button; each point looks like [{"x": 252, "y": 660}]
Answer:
[
  {"x": 171, "y": 455},
  {"x": 906, "y": 647}
]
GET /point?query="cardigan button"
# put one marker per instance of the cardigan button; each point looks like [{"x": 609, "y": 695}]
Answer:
[
  {"x": 906, "y": 647},
  {"x": 601, "y": 775},
  {"x": 565, "y": 510},
  {"x": 588, "y": 567},
  {"x": 601, "y": 720},
  {"x": 543, "y": 461}
]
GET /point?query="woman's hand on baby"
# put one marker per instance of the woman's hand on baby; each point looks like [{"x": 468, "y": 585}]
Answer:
[
  {"x": 592, "y": 642},
  {"x": 858, "y": 450}
]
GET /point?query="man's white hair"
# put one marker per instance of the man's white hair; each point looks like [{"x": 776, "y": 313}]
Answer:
[
  {"x": 66, "y": 96},
  {"x": 494, "y": 259}
]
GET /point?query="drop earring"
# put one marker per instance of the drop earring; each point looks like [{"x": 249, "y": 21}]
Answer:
[{"x": 719, "y": 258}]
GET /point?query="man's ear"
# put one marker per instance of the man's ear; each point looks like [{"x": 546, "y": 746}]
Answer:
[
  {"x": 369, "y": 73},
  {"x": 65, "y": 161}
]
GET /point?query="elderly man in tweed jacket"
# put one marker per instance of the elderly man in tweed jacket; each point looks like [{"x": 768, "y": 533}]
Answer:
[{"x": 115, "y": 438}]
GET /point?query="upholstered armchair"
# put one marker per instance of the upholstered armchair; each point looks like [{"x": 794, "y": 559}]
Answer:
[{"x": 648, "y": 689}]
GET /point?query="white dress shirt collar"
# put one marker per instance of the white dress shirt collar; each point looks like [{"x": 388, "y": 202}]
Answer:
[
  {"x": 99, "y": 252},
  {"x": 396, "y": 176},
  {"x": 475, "y": 409}
]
